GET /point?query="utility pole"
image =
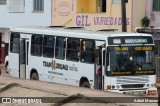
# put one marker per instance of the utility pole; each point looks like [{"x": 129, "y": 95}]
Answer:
[{"x": 123, "y": 13}]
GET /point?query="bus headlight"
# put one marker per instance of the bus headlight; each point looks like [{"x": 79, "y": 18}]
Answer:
[
  {"x": 113, "y": 87},
  {"x": 118, "y": 86},
  {"x": 147, "y": 85},
  {"x": 152, "y": 85}
]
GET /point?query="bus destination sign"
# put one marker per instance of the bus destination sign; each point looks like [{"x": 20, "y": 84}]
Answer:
[
  {"x": 135, "y": 41},
  {"x": 130, "y": 40}
]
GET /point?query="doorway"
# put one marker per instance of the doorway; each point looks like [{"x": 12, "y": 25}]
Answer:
[
  {"x": 99, "y": 69},
  {"x": 23, "y": 58}
]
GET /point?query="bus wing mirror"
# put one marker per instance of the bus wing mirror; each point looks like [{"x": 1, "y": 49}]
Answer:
[{"x": 107, "y": 57}]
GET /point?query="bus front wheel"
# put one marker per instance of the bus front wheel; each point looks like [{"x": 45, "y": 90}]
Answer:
[
  {"x": 86, "y": 84},
  {"x": 34, "y": 76}
]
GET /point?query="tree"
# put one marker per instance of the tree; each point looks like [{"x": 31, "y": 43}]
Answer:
[{"x": 145, "y": 21}]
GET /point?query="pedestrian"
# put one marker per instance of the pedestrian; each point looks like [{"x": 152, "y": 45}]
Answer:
[{"x": 99, "y": 73}]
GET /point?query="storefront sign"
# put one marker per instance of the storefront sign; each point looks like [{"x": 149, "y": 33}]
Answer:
[{"x": 85, "y": 20}]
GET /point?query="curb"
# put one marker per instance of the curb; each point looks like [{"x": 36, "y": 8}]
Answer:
[{"x": 7, "y": 86}]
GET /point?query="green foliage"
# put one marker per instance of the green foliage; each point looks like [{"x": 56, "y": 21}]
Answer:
[{"x": 145, "y": 21}]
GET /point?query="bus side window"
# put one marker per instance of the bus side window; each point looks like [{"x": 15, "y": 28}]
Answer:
[
  {"x": 48, "y": 46},
  {"x": 60, "y": 47},
  {"x": 14, "y": 42},
  {"x": 73, "y": 49},
  {"x": 88, "y": 51},
  {"x": 36, "y": 45}
]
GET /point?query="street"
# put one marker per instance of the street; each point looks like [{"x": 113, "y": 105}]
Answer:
[{"x": 28, "y": 91}]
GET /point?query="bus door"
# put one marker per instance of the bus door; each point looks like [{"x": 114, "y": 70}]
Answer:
[
  {"x": 23, "y": 57},
  {"x": 99, "y": 68}
]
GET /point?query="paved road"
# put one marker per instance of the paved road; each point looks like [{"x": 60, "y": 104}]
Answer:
[{"x": 62, "y": 94}]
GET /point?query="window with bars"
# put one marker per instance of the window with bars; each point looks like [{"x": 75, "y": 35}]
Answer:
[
  {"x": 156, "y": 5},
  {"x": 2, "y": 2},
  {"x": 101, "y": 5},
  {"x": 38, "y": 5}
]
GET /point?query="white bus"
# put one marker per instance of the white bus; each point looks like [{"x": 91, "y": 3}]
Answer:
[{"x": 107, "y": 60}]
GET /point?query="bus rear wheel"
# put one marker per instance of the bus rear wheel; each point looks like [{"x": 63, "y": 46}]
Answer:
[
  {"x": 86, "y": 84},
  {"x": 34, "y": 76}
]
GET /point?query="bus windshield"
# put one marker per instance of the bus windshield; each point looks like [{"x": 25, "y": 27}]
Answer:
[{"x": 133, "y": 60}]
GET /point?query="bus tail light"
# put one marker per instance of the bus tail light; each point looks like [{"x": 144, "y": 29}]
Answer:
[
  {"x": 108, "y": 86},
  {"x": 151, "y": 92}
]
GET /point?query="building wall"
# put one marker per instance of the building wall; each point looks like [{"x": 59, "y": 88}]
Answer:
[
  {"x": 17, "y": 13},
  {"x": 153, "y": 15},
  {"x": 138, "y": 12},
  {"x": 26, "y": 18},
  {"x": 75, "y": 14}
]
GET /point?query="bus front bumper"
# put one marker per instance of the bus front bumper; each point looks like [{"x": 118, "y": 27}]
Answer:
[{"x": 150, "y": 91}]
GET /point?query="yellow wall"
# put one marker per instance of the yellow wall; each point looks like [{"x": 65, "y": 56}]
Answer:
[
  {"x": 90, "y": 19},
  {"x": 138, "y": 12},
  {"x": 62, "y": 12},
  {"x": 92, "y": 6},
  {"x": 82, "y": 5}
]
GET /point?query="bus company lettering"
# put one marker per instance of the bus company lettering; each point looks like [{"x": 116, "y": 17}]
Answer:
[
  {"x": 121, "y": 73},
  {"x": 58, "y": 65},
  {"x": 132, "y": 41},
  {"x": 145, "y": 72},
  {"x": 61, "y": 66},
  {"x": 144, "y": 48},
  {"x": 56, "y": 73},
  {"x": 71, "y": 68},
  {"x": 47, "y": 64},
  {"x": 121, "y": 48}
]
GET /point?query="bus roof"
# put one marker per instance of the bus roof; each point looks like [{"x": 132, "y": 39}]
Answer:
[{"x": 73, "y": 32}]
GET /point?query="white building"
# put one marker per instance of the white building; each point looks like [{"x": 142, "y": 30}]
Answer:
[{"x": 21, "y": 13}]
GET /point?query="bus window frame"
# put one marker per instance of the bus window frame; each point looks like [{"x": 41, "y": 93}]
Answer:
[
  {"x": 41, "y": 51},
  {"x": 77, "y": 49},
  {"x": 51, "y": 47},
  {"x": 11, "y": 42},
  {"x": 64, "y": 48},
  {"x": 83, "y": 51}
]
